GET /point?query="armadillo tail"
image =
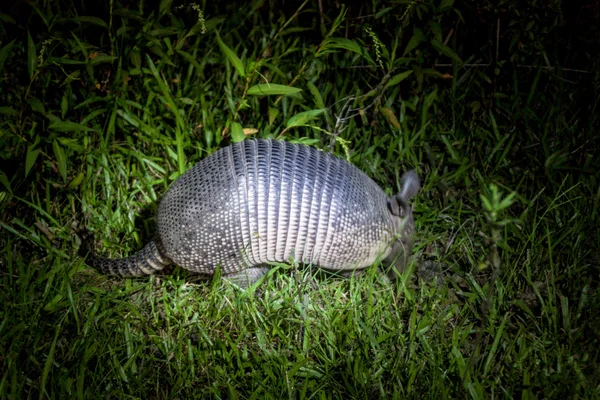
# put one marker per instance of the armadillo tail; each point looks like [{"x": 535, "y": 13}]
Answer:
[{"x": 147, "y": 261}]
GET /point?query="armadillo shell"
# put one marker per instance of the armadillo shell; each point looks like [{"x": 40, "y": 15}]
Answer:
[{"x": 262, "y": 201}]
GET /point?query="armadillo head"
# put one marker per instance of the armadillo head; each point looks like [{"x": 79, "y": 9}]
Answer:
[{"x": 402, "y": 216}]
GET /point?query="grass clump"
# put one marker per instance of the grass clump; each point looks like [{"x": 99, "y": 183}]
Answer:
[{"x": 105, "y": 105}]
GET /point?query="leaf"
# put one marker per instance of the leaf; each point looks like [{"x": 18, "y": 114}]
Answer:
[
  {"x": 76, "y": 181},
  {"x": 212, "y": 23},
  {"x": 346, "y": 44},
  {"x": 414, "y": 41},
  {"x": 316, "y": 94},
  {"x": 43, "y": 16},
  {"x": 30, "y": 158},
  {"x": 4, "y": 53},
  {"x": 445, "y": 4},
  {"x": 61, "y": 159},
  {"x": 190, "y": 59},
  {"x": 383, "y": 12},
  {"x": 68, "y": 126},
  {"x": 305, "y": 140},
  {"x": 36, "y": 105},
  {"x": 270, "y": 89},
  {"x": 31, "y": 56},
  {"x": 181, "y": 126},
  {"x": 7, "y": 19},
  {"x": 129, "y": 117},
  {"x": 497, "y": 341},
  {"x": 73, "y": 144},
  {"x": 4, "y": 181},
  {"x": 237, "y": 133},
  {"x": 162, "y": 32},
  {"x": 507, "y": 201},
  {"x": 399, "y": 78},
  {"x": 165, "y": 7},
  {"x": 436, "y": 29},
  {"x": 303, "y": 117},
  {"x": 127, "y": 13},
  {"x": 89, "y": 117},
  {"x": 445, "y": 50},
  {"x": 49, "y": 360},
  {"x": 273, "y": 113},
  {"x": 91, "y": 20},
  {"x": 250, "y": 131},
  {"x": 56, "y": 303},
  {"x": 436, "y": 74},
  {"x": 186, "y": 100},
  {"x": 135, "y": 58},
  {"x": 232, "y": 57},
  {"x": 8, "y": 111},
  {"x": 391, "y": 117},
  {"x": 68, "y": 61},
  {"x": 64, "y": 104},
  {"x": 102, "y": 59}
]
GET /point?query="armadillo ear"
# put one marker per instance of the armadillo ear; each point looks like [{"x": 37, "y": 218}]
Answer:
[{"x": 410, "y": 183}]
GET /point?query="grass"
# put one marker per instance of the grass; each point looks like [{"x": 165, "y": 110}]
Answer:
[{"x": 104, "y": 107}]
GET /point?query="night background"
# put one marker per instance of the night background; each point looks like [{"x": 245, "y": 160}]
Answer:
[{"x": 103, "y": 104}]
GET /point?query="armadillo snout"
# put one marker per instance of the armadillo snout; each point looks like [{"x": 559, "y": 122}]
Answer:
[{"x": 401, "y": 211}]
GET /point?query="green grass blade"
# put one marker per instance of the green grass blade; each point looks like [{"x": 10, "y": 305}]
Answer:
[
  {"x": 32, "y": 61},
  {"x": 232, "y": 57},
  {"x": 271, "y": 89}
]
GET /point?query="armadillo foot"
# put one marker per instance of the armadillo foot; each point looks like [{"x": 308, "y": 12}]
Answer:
[{"x": 248, "y": 276}]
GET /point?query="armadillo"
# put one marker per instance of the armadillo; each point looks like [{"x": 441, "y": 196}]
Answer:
[{"x": 261, "y": 201}]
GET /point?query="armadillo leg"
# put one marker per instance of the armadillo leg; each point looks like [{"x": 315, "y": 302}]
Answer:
[{"x": 248, "y": 276}]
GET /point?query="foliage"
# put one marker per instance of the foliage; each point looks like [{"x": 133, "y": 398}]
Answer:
[{"x": 104, "y": 104}]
